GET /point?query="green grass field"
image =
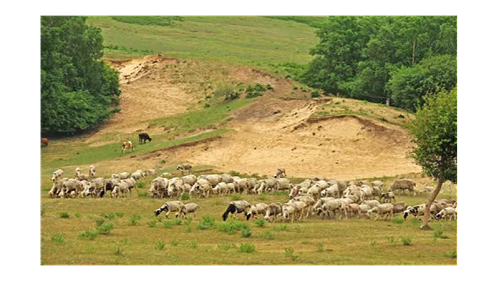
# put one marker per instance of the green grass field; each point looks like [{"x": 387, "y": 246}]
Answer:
[
  {"x": 138, "y": 237},
  {"x": 261, "y": 42}
]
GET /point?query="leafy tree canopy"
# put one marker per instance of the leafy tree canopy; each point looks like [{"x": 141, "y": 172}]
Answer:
[{"x": 76, "y": 87}]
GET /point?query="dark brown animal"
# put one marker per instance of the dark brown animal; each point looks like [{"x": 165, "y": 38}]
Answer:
[
  {"x": 45, "y": 142},
  {"x": 143, "y": 137}
]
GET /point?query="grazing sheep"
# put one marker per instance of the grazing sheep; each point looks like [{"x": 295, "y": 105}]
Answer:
[
  {"x": 403, "y": 184},
  {"x": 57, "y": 175},
  {"x": 273, "y": 209},
  {"x": 419, "y": 210},
  {"x": 203, "y": 186},
  {"x": 185, "y": 167},
  {"x": 190, "y": 208},
  {"x": 331, "y": 207},
  {"x": 79, "y": 175},
  {"x": 282, "y": 184},
  {"x": 231, "y": 188},
  {"x": 353, "y": 209},
  {"x": 308, "y": 200},
  {"x": 292, "y": 208},
  {"x": 387, "y": 197},
  {"x": 366, "y": 192},
  {"x": 314, "y": 191},
  {"x": 172, "y": 206},
  {"x": 241, "y": 185},
  {"x": 379, "y": 184},
  {"x": 131, "y": 183},
  {"x": 259, "y": 208},
  {"x": 399, "y": 207},
  {"x": 280, "y": 173},
  {"x": 166, "y": 175},
  {"x": 159, "y": 187},
  {"x": 448, "y": 213},
  {"x": 69, "y": 186},
  {"x": 227, "y": 178},
  {"x": 220, "y": 189},
  {"x": 363, "y": 208},
  {"x": 239, "y": 206},
  {"x": 381, "y": 210},
  {"x": 57, "y": 187},
  {"x": 371, "y": 203},
  {"x": 175, "y": 187},
  {"x": 91, "y": 171},
  {"x": 189, "y": 179},
  {"x": 97, "y": 185},
  {"x": 120, "y": 188},
  {"x": 124, "y": 175},
  {"x": 150, "y": 172},
  {"x": 136, "y": 175}
]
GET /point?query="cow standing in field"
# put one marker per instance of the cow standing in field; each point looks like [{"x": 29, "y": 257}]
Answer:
[
  {"x": 143, "y": 137},
  {"x": 45, "y": 142},
  {"x": 126, "y": 145}
]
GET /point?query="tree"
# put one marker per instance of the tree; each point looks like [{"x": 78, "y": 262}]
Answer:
[
  {"x": 409, "y": 84},
  {"x": 434, "y": 131},
  {"x": 76, "y": 87},
  {"x": 357, "y": 55}
]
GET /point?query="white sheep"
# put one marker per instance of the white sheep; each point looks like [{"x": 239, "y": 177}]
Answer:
[
  {"x": 274, "y": 210},
  {"x": 331, "y": 207},
  {"x": 91, "y": 171},
  {"x": 448, "y": 213},
  {"x": 172, "y": 206},
  {"x": 381, "y": 210},
  {"x": 57, "y": 175},
  {"x": 235, "y": 207},
  {"x": 189, "y": 208},
  {"x": 136, "y": 175},
  {"x": 293, "y": 208},
  {"x": 120, "y": 188},
  {"x": 259, "y": 208}
]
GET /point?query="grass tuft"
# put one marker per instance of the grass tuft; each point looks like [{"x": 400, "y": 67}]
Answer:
[
  {"x": 58, "y": 238},
  {"x": 63, "y": 215},
  {"x": 246, "y": 248},
  {"x": 160, "y": 245}
]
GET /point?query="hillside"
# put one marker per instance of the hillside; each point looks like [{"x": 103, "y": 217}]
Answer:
[
  {"x": 167, "y": 97},
  {"x": 177, "y": 94}
]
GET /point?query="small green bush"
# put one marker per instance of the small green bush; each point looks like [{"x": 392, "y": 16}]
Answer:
[
  {"x": 260, "y": 222},
  {"x": 119, "y": 214},
  {"x": 246, "y": 233},
  {"x": 160, "y": 245},
  {"x": 141, "y": 184},
  {"x": 105, "y": 228},
  {"x": 268, "y": 235},
  {"x": 175, "y": 243},
  {"x": 77, "y": 215},
  {"x": 89, "y": 234},
  {"x": 143, "y": 194},
  {"x": 58, "y": 238},
  {"x": 99, "y": 221},
  {"x": 451, "y": 254},
  {"x": 152, "y": 223},
  {"x": 134, "y": 219},
  {"x": 406, "y": 241},
  {"x": 246, "y": 248},
  {"x": 236, "y": 197},
  {"x": 315, "y": 94},
  {"x": 185, "y": 196},
  {"x": 108, "y": 216},
  {"x": 168, "y": 224},
  {"x": 439, "y": 234},
  {"x": 64, "y": 215}
]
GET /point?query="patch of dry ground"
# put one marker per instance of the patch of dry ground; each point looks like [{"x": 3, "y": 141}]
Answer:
[{"x": 274, "y": 131}]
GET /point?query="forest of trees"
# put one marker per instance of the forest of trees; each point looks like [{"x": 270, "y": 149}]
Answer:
[
  {"x": 76, "y": 87},
  {"x": 375, "y": 58}
]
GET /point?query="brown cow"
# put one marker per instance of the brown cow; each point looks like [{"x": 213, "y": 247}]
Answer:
[
  {"x": 45, "y": 141},
  {"x": 125, "y": 145}
]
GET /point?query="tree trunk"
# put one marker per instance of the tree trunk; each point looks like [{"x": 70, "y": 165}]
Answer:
[{"x": 433, "y": 195}]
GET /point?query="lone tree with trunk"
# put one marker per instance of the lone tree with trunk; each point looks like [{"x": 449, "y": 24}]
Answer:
[{"x": 434, "y": 131}]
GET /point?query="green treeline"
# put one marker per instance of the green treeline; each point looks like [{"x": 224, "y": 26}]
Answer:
[
  {"x": 76, "y": 87},
  {"x": 376, "y": 58}
]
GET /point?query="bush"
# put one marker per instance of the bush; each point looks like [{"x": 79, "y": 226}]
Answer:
[
  {"x": 406, "y": 241},
  {"x": 58, "y": 238},
  {"x": 141, "y": 184},
  {"x": 77, "y": 215},
  {"x": 134, "y": 219},
  {"x": 64, "y": 215},
  {"x": 232, "y": 225},
  {"x": 175, "y": 243},
  {"x": 246, "y": 248},
  {"x": 105, "y": 228},
  {"x": 246, "y": 233},
  {"x": 119, "y": 214},
  {"x": 268, "y": 235},
  {"x": 143, "y": 194},
  {"x": 152, "y": 223},
  {"x": 185, "y": 196},
  {"x": 108, "y": 216},
  {"x": 236, "y": 197},
  {"x": 260, "y": 222},
  {"x": 451, "y": 254},
  {"x": 439, "y": 234},
  {"x": 206, "y": 222},
  {"x": 89, "y": 234},
  {"x": 99, "y": 221},
  {"x": 315, "y": 94},
  {"x": 160, "y": 245}
]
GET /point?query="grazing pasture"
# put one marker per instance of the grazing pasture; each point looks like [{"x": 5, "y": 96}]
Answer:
[{"x": 126, "y": 231}]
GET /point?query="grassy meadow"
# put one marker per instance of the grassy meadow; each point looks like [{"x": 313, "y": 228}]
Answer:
[
  {"x": 262, "y": 42},
  {"x": 125, "y": 231}
]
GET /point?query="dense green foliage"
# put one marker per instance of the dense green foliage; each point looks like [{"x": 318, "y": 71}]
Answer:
[
  {"x": 358, "y": 56},
  {"x": 434, "y": 132},
  {"x": 76, "y": 87}
]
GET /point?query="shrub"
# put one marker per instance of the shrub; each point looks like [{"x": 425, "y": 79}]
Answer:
[
  {"x": 175, "y": 243},
  {"x": 236, "y": 197},
  {"x": 105, "y": 228},
  {"x": 246, "y": 248},
  {"x": 119, "y": 214},
  {"x": 108, "y": 216},
  {"x": 246, "y": 233},
  {"x": 141, "y": 184},
  {"x": 77, "y": 215},
  {"x": 439, "y": 234},
  {"x": 177, "y": 221},
  {"x": 260, "y": 222},
  {"x": 185, "y": 196},
  {"x": 451, "y": 254},
  {"x": 315, "y": 94},
  {"x": 231, "y": 226},
  {"x": 168, "y": 224},
  {"x": 143, "y": 194},
  {"x": 188, "y": 221},
  {"x": 89, "y": 234},
  {"x": 269, "y": 87},
  {"x": 134, "y": 219},
  {"x": 268, "y": 235},
  {"x": 152, "y": 223},
  {"x": 160, "y": 245},
  {"x": 64, "y": 215},
  {"x": 206, "y": 222},
  {"x": 99, "y": 221},
  {"x": 58, "y": 238},
  {"x": 406, "y": 241}
]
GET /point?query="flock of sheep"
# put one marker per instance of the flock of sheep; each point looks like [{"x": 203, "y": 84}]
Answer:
[{"x": 324, "y": 198}]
